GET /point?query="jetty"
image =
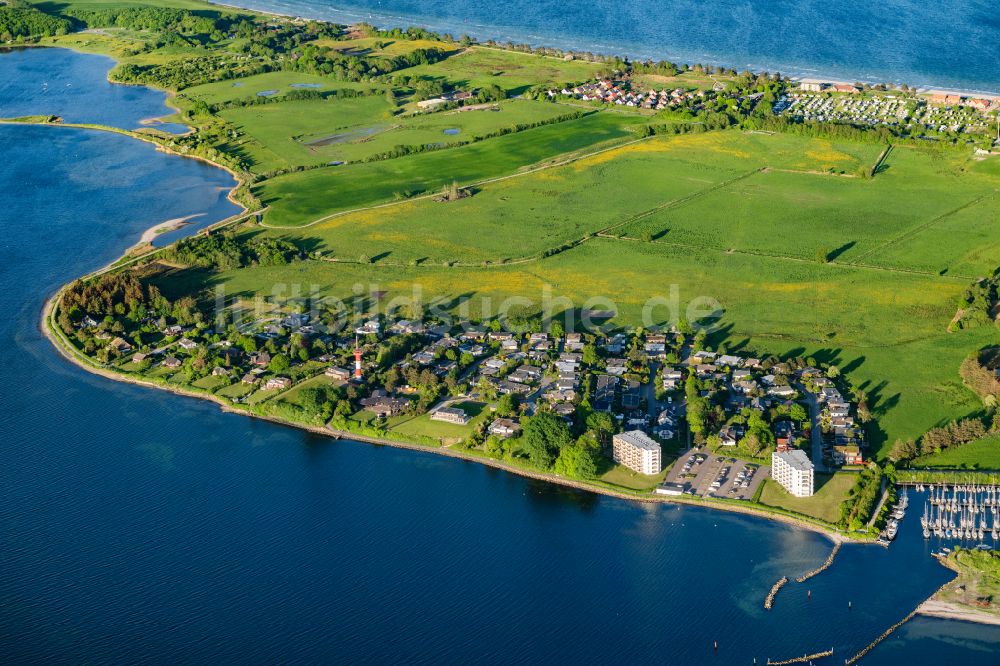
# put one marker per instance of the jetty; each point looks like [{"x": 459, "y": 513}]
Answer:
[
  {"x": 885, "y": 634},
  {"x": 806, "y": 658},
  {"x": 881, "y": 637},
  {"x": 823, "y": 567},
  {"x": 769, "y": 601}
]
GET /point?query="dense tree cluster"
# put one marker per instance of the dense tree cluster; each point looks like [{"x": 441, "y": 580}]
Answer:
[
  {"x": 978, "y": 374},
  {"x": 227, "y": 251},
  {"x": 155, "y": 19},
  {"x": 110, "y": 294},
  {"x": 315, "y": 59},
  {"x": 314, "y": 404},
  {"x": 976, "y": 307},
  {"x": 188, "y": 72},
  {"x": 19, "y": 21}
]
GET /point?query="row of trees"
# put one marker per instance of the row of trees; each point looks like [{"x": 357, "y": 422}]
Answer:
[
  {"x": 402, "y": 150},
  {"x": 855, "y": 513},
  {"x": 935, "y": 440}
]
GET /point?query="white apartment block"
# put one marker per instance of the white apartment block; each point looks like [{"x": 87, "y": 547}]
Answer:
[
  {"x": 793, "y": 470},
  {"x": 635, "y": 450}
]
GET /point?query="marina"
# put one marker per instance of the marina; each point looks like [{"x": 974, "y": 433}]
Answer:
[{"x": 962, "y": 513}]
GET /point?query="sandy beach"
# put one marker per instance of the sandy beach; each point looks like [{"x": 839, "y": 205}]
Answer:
[
  {"x": 149, "y": 235},
  {"x": 949, "y": 611}
]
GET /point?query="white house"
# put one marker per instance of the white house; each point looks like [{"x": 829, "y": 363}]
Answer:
[
  {"x": 793, "y": 470},
  {"x": 637, "y": 451}
]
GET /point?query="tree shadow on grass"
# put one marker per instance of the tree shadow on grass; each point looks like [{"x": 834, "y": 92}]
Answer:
[{"x": 833, "y": 255}]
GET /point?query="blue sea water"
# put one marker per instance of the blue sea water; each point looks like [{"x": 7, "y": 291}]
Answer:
[
  {"x": 953, "y": 45},
  {"x": 75, "y": 86},
  {"x": 137, "y": 525}
]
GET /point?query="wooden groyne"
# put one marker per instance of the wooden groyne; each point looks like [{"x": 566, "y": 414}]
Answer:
[
  {"x": 769, "y": 601},
  {"x": 823, "y": 567},
  {"x": 803, "y": 659}
]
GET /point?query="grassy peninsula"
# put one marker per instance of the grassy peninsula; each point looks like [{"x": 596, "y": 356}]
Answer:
[{"x": 401, "y": 184}]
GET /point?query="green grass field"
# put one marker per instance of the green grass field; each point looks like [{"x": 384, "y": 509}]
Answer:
[
  {"x": 309, "y": 133},
  {"x": 831, "y": 490},
  {"x": 211, "y": 382},
  {"x": 515, "y": 72},
  {"x": 381, "y": 47},
  {"x": 686, "y": 80},
  {"x": 622, "y": 476},
  {"x": 447, "y": 433},
  {"x": 247, "y": 87},
  {"x": 981, "y": 454},
  {"x": 319, "y": 381},
  {"x": 280, "y": 133},
  {"x": 237, "y": 390},
  {"x": 300, "y": 198},
  {"x": 522, "y": 216}
]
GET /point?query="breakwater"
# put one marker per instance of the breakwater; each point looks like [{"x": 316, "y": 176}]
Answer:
[
  {"x": 885, "y": 634},
  {"x": 823, "y": 567},
  {"x": 769, "y": 601},
  {"x": 881, "y": 637},
  {"x": 803, "y": 659}
]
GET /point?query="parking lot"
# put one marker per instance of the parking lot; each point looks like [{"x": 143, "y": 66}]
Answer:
[{"x": 700, "y": 472}]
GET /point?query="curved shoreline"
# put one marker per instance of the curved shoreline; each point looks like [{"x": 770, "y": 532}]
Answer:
[
  {"x": 351, "y": 16},
  {"x": 65, "y": 348},
  {"x": 70, "y": 353},
  {"x": 148, "y": 138},
  {"x": 949, "y": 611}
]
